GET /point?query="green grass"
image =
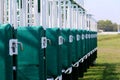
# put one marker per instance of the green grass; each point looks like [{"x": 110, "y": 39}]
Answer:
[{"x": 108, "y": 62}]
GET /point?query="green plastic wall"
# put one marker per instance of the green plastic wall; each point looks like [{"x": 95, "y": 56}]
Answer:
[
  {"x": 5, "y": 59},
  {"x": 53, "y": 53},
  {"x": 66, "y": 49},
  {"x": 87, "y": 42},
  {"x": 79, "y": 45},
  {"x": 74, "y": 46},
  {"x": 31, "y": 63},
  {"x": 83, "y": 42}
]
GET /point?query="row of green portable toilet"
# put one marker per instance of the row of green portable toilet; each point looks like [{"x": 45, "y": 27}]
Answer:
[
  {"x": 30, "y": 61},
  {"x": 90, "y": 41},
  {"x": 70, "y": 51},
  {"x": 64, "y": 48},
  {"x": 93, "y": 40},
  {"x": 76, "y": 44},
  {"x": 65, "y": 52}
]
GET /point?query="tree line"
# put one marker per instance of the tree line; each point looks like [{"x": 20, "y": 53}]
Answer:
[{"x": 107, "y": 25}]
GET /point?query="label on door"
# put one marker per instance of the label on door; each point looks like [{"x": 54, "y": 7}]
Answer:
[
  {"x": 70, "y": 38},
  {"x": 78, "y": 37},
  {"x": 60, "y": 40},
  {"x": 43, "y": 42}
]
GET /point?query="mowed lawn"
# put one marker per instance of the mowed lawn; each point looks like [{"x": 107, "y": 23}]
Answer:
[{"x": 108, "y": 62}]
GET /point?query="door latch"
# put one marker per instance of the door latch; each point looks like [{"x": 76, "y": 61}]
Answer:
[
  {"x": 43, "y": 42},
  {"x": 13, "y": 46}
]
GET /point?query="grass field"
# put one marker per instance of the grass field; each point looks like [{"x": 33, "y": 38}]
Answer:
[{"x": 108, "y": 62}]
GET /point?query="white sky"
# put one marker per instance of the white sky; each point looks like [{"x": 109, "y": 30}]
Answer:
[{"x": 104, "y": 9}]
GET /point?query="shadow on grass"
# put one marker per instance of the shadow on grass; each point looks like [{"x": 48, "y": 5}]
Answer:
[{"x": 103, "y": 72}]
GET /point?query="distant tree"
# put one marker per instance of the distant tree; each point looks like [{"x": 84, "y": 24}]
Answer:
[
  {"x": 115, "y": 25},
  {"x": 107, "y": 25}
]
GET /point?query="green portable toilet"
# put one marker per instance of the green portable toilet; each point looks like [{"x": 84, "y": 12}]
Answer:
[
  {"x": 87, "y": 49},
  {"x": 95, "y": 45},
  {"x": 66, "y": 49},
  {"x": 6, "y": 67},
  {"x": 74, "y": 46},
  {"x": 67, "y": 54},
  {"x": 89, "y": 45},
  {"x": 86, "y": 42},
  {"x": 91, "y": 42},
  {"x": 31, "y": 60},
  {"x": 84, "y": 50},
  {"x": 89, "y": 35},
  {"x": 92, "y": 47},
  {"x": 94, "y": 39},
  {"x": 79, "y": 46},
  {"x": 75, "y": 53},
  {"x": 83, "y": 43},
  {"x": 53, "y": 53}
]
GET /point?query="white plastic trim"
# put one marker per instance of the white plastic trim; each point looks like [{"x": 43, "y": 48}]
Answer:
[
  {"x": 81, "y": 60},
  {"x": 59, "y": 77},
  {"x": 76, "y": 64},
  {"x": 68, "y": 71},
  {"x": 50, "y": 78}
]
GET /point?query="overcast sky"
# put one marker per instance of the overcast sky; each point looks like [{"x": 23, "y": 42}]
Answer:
[{"x": 104, "y": 9}]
